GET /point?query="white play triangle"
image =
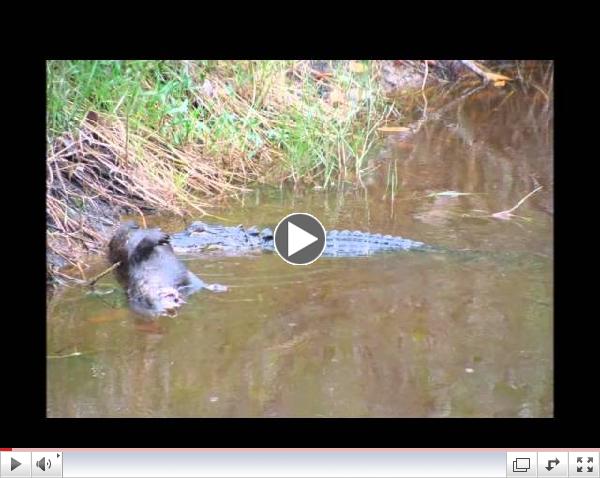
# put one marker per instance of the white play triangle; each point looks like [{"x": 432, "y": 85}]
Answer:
[{"x": 298, "y": 239}]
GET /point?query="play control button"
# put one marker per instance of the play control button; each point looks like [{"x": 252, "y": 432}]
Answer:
[
  {"x": 15, "y": 463},
  {"x": 299, "y": 239}
]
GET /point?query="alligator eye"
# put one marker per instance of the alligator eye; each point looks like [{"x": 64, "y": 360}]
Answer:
[
  {"x": 197, "y": 227},
  {"x": 266, "y": 233},
  {"x": 253, "y": 231}
]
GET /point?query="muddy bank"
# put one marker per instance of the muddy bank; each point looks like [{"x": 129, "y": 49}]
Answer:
[{"x": 92, "y": 180}]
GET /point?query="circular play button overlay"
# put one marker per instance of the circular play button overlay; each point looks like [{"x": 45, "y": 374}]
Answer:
[{"x": 299, "y": 239}]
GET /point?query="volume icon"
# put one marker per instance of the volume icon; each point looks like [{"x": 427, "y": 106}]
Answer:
[{"x": 43, "y": 463}]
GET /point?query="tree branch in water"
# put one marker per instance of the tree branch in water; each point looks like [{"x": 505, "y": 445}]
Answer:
[
  {"x": 93, "y": 281},
  {"x": 508, "y": 213}
]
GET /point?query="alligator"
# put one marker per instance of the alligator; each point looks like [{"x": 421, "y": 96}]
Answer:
[{"x": 201, "y": 237}]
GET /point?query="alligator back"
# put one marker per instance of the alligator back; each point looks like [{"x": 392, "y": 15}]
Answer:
[
  {"x": 204, "y": 237},
  {"x": 357, "y": 243}
]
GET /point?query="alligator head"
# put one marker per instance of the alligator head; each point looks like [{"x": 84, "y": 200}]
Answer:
[{"x": 201, "y": 236}]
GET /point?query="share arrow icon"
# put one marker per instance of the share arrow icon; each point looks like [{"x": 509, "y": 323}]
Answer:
[{"x": 550, "y": 467}]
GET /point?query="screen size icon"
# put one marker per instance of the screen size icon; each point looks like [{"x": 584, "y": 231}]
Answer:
[{"x": 521, "y": 465}]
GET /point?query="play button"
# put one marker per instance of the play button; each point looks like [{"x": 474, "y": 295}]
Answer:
[
  {"x": 15, "y": 463},
  {"x": 299, "y": 239}
]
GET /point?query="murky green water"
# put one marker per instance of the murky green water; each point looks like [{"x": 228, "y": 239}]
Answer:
[{"x": 401, "y": 335}]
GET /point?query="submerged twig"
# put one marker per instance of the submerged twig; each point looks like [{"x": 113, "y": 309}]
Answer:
[
  {"x": 482, "y": 72},
  {"x": 74, "y": 354},
  {"x": 423, "y": 90},
  {"x": 92, "y": 281},
  {"x": 507, "y": 214}
]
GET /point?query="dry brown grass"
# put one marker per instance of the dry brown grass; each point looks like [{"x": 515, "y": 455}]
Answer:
[{"x": 104, "y": 169}]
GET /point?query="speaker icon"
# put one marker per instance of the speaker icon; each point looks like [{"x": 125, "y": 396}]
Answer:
[{"x": 43, "y": 463}]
